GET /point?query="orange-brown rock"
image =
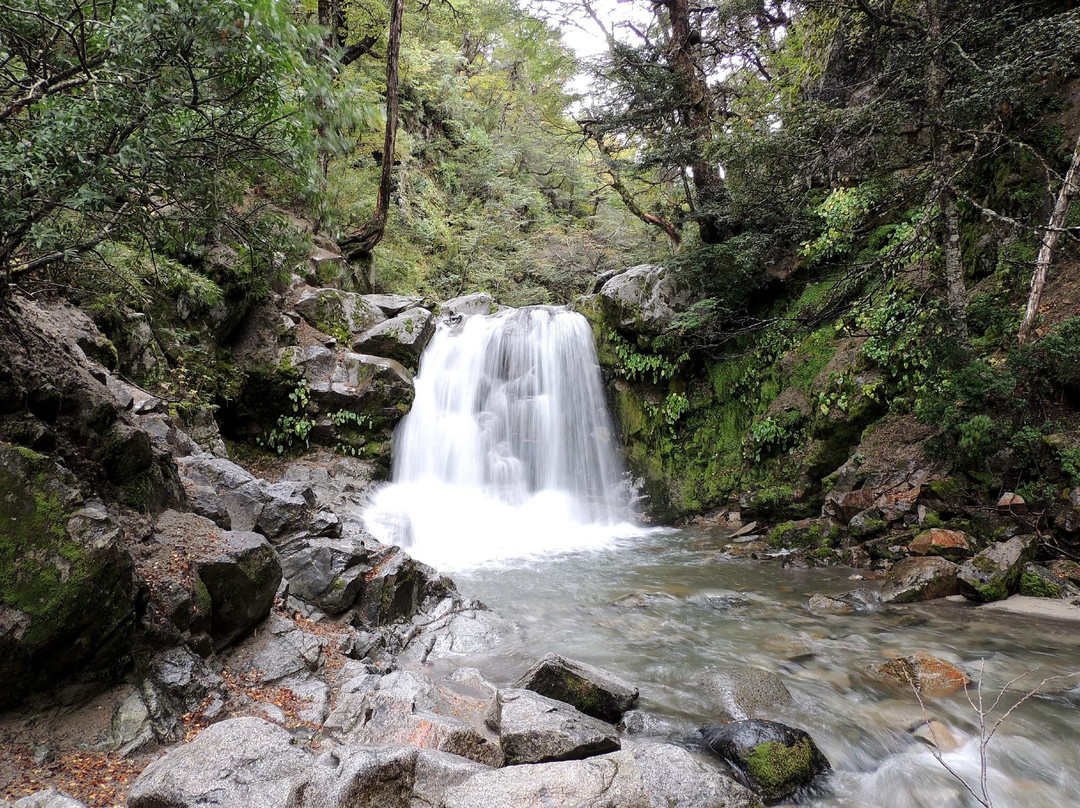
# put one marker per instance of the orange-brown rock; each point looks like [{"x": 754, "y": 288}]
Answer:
[
  {"x": 1014, "y": 503},
  {"x": 928, "y": 675},
  {"x": 942, "y": 542}
]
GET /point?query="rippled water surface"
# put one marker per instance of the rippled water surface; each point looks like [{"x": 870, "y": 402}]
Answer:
[{"x": 664, "y": 609}]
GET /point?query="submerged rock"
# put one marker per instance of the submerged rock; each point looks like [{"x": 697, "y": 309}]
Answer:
[
  {"x": 822, "y": 605},
  {"x": 994, "y": 574},
  {"x": 745, "y": 692},
  {"x": 592, "y": 690},
  {"x": 535, "y": 729},
  {"x": 772, "y": 758},
  {"x": 928, "y": 675}
]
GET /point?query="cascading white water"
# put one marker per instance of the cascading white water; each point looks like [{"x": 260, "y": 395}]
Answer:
[{"x": 508, "y": 450}]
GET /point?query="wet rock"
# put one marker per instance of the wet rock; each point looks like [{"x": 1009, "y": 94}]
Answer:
[
  {"x": 236, "y": 763},
  {"x": 822, "y": 605},
  {"x": 379, "y": 388},
  {"x": 50, "y": 798},
  {"x": 647, "y": 776},
  {"x": 403, "y": 337},
  {"x": 395, "y": 587},
  {"x": 920, "y": 578},
  {"x": 929, "y": 675},
  {"x": 468, "y": 305},
  {"x": 535, "y": 729},
  {"x": 644, "y": 299},
  {"x": 863, "y": 599},
  {"x": 745, "y": 692},
  {"x": 67, "y": 590},
  {"x": 994, "y": 574},
  {"x": 771, "y": 758},
  {"x": 639, "y": 722},
  {"x": 592, "y": 690},
  {"x": 936, "y": 735}
]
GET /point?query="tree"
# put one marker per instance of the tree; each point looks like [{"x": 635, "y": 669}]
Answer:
[
  {"x": 143, "y": 120},
  {"x": 361, "y": 242},
  {"x": 1070, "y": 186}
]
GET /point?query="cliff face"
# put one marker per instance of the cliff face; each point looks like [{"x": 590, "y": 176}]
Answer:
[{"x": 857, "y": 443}]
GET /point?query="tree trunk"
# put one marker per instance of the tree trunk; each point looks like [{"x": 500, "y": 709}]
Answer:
[
  {"x": 955, "y": 290},
  {"x": 361, "y": 242},
  {"x": 1049, "y": 243},
  {"x": 696, "y": 114}
]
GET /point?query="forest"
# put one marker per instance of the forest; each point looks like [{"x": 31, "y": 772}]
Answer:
[{"x": 828, "y": 251}]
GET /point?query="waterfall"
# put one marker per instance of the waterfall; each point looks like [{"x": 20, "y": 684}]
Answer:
[{"x": 508, "y": 450}]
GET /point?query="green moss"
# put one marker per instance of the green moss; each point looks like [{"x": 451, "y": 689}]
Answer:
[
  {"x": 777, "y": 769},
  {"x": 203, "y": 602},
  {"x": 1035, "y": 586}
]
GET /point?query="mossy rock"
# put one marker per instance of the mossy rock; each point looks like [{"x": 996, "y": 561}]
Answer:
[
  {"x": 67, "y": 592},
  {"x": 771, "y": 758}
]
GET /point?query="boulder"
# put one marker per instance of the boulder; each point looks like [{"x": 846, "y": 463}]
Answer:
[
  {"x": 844, "y": 505},
  {"x": 403, "y": 337},
  {"x": 468, "y": 305},
  {"x": 50, "y": 798},
  {"x": 358, "y": 777},
  {"x": 328, "y": 573},
  {"x": 994, "y": 574},
  {"x": 395, "y": 587},
  {"x": 1068, "y": 520},
  {"x": 771, "y": 758},
  {"x": 928, "y": 675},
  {"x": 235, "y": 499},
  {"x": 377, "y": 387},
  {"x": 744, "y": 692},
  {"x": 239, "y": 583},
  {"x": 1039, "y": 582},
  {"x": 644, "y": 299},
  {"x": 646, "y": 776},
  {"x": 1012, "y": 503},
  {"x": 454, "y": 628},
  {"x": 937, "y": 541},
  {"x": 337, "y": 314},
  {"x": 393, "y": 305},
  {"x": 592, "y": 690},
  {"x": 920, "y": 578},
  {"x": 67, "y": 589},
  {"x": 237, "y": 763},
  {"x": 534, "y": 729}
]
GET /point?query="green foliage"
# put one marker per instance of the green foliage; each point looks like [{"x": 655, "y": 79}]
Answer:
[
  {"x": 771, "y": 436},
  {"x": 291, "y": 430},
  {"x": 636, "y": 365},
  {"x": 148, "y": 119}
]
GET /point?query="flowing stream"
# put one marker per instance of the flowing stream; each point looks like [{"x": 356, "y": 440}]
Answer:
[{"x": 530, "y": 519}]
